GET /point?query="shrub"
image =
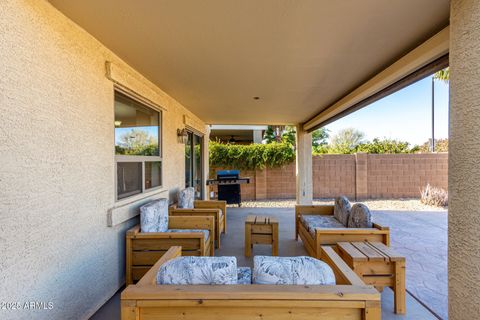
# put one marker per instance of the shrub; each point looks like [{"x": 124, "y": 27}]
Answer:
[
  {"x": 251, "y": 156},
  {"x": 434, "y": 196}
]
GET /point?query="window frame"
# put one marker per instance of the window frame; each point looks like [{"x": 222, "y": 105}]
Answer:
[{"x": 136, "y": 158}]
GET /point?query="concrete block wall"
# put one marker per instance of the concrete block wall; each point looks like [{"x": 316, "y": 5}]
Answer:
[{"x": 358, "y": 176}]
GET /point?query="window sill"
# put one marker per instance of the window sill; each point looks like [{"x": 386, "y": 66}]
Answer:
[{"x": 128, "y": 208}]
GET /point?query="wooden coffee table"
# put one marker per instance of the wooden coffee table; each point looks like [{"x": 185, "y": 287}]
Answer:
[
  {"x": 261, "y": 230},
  {"x": 377, "y": 265}
]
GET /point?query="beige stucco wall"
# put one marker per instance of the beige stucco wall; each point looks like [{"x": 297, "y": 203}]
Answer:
[
  {"x": 57, "y": 163},
  {"x": 464, "y": 161}
]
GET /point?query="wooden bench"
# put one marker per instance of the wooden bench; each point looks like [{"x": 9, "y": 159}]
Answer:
[
  {"x": 377, "y": 265},
  {"x": 211, "y": 208},
  {"x": 331, "y": 236},
  {"x": 350, "y": 299},
  {"x": 143, "y": 249}
]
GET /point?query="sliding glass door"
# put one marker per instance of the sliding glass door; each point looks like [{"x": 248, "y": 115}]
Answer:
[{"x": 194, "y": 164}]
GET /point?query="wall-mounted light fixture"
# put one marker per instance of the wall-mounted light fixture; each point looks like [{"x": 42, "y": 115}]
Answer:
[{"x": 182, "y": 135}]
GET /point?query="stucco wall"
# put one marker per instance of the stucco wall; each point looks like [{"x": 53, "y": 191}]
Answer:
[
  {"x": 464, "y": 162},
  {"x": 57, "y": 163}
]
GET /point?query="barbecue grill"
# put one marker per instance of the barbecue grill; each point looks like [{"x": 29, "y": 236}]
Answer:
[{"x": 228, "y": 182}]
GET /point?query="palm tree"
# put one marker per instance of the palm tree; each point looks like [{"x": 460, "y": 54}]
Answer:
[{"x": 442, "y": 75}]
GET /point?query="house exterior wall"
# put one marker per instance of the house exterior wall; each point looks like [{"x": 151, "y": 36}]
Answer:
[
  {"x": 57, "y": 165},
  {"x": 464, "y": 163},
  {"x": 361, "y": 176}
]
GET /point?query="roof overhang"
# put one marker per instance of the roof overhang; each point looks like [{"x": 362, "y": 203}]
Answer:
[
  {"x": 430, "y": 56},
  {"x": 299, "y": 57}
]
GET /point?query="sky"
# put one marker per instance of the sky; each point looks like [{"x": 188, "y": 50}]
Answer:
[{"x": 405, "y": 115}]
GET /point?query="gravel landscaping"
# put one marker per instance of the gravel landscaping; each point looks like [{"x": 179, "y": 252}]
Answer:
[{"x": 383, "y": 204}]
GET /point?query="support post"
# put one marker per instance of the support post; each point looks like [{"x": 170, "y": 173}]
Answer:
[
  {"x": 463, "y": 161},
  {"x": 304, "y": 183},
  {"x": 206, "y": 163}
]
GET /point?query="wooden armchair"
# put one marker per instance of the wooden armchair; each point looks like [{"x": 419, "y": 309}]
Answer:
[
  {"x": 143, "y": 249},
  {"x": 211, "y": 208},
  {"x": 331, "y": 236}
]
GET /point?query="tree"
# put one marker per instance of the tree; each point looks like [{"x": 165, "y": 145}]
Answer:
[
  {"x": 273, "y": 134},
  {"x": 441, "y": 145},
  {"x": 287, "y": 134},
  {"x": 381, "y": 146},
  {"x": 320, "y": 137},
  {"x": 346, "y": 141},
  {"x": 442, "y": 75},
  {"x": 137, "y": 142}
]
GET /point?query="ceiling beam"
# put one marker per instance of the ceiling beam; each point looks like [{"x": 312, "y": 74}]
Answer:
[{"x": 427, "y": 53}]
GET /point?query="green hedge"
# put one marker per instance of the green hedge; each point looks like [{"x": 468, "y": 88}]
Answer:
[{"x": 250, "y": 157}]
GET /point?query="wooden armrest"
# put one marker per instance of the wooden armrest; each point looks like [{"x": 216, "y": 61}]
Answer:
[
  {"x": 134, "y": 230},
  {"x": 212, "y": 204},
  {"x": 195, "y": 211},
  {"x": 380, "y": 227},
  {"x": 314, "y": 210},
  {"x": 151, "y": 276},
  {"x": 343, "y": 273},
  {"x": 351, "y": 230},
  {"x": 169, "y": 235}
]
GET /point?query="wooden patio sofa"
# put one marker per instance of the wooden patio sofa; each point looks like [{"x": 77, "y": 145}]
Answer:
[
  {"x": 349, "y": 299},
  {"x": 143, "y": 249},
  {"x": 212, "y": 208},
  {"x": 331, "y": 236}
]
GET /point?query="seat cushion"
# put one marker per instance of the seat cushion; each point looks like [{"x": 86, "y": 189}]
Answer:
[
  {"x": 291, "y": 270},
  {"x": 205, "y": 232},
  {"x": 198, "y": 270},
  {"x": 311, "y": 222},
  {"x": 360, "y": 217},
  {"x": 154, "y": 216},
  {"x": 186, "y": 198},
  {"x": 244, "y": 275},
  {"x": 342, "y": 210}
]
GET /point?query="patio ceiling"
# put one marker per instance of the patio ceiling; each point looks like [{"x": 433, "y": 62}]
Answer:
[{"x": 298, "y": 57}]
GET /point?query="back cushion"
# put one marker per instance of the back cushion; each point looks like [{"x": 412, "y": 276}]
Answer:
[
  {"x": 198, "y": 270},
  {"x": 186, "y": 197},
  {"x": 291, "y": 270},
  {"x": 360, "y": 217},
  {"x": 154, "y": 216},
  {"x": 342, "y": 209}
]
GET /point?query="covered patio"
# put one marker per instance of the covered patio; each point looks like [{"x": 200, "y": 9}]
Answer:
[
  {"x": 77, "y": 73},
  {"x": 417, "y": 246}
]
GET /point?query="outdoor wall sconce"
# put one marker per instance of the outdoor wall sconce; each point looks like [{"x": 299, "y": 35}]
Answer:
[{"x": 182, "y": 135}]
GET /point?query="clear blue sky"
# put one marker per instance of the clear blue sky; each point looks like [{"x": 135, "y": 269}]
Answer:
[{"x": 404, "y": 115}]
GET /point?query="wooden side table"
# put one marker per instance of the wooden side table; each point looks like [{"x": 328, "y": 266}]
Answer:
[
  {"x": 377, "y": 265},
  {"x": 261, "y": 230}
]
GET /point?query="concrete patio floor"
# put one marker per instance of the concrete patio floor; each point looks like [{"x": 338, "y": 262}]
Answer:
[{"x": 401, "y": 225}]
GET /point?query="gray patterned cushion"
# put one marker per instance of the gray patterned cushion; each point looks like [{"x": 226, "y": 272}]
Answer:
[
  {"x": 244, "y": 275},
  {"x": 291, "y": 270},
  {"x": 342, "y": 209},
  {"x": 186, "y": 197},
  {"x": 154, "y": 216},
  {"x": 360, "y": 217},
  {"x": 205, "y": 232},
  {"x": 198, "y": 270},
  {"x": 311, "y": 222}
]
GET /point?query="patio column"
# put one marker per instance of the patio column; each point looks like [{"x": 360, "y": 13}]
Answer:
[
  {"x": 464, "y": 163},
  {"x": 304, "y": 181},
  {"x": 206, "y": 163}
]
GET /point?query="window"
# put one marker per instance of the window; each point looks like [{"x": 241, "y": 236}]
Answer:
[{"x": 137, "y": 147}]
